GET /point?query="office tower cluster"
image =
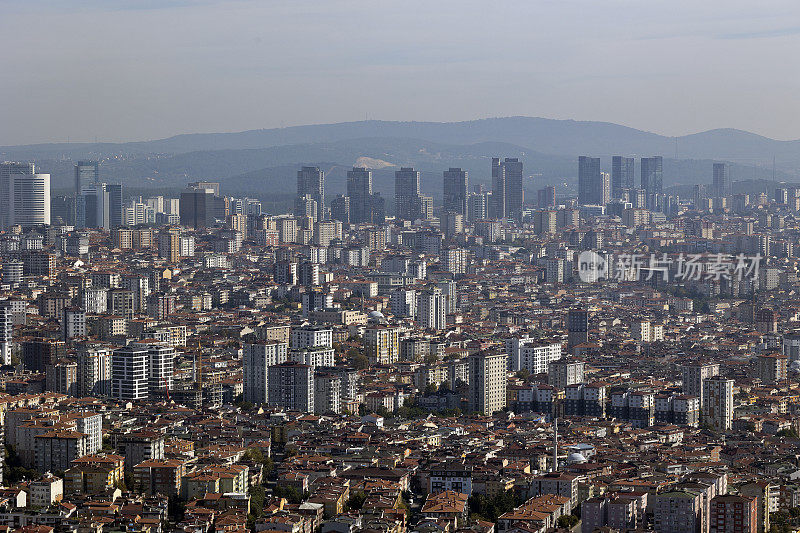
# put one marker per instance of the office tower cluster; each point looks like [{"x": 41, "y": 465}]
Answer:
[
  {"x": 310, "y": 199},
  {"x": 409, "y": 203},
  {"x": 96, "y": 204},
  {"x": 598, "y": 188},
  {"x": 365, "y": 207}
]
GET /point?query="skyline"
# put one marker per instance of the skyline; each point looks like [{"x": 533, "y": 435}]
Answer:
[{"x": 153, "y": 70}]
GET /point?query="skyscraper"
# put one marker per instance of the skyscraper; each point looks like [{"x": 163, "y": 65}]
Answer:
[
  {"x": 718, "y": 402},
  {"x": 359, "y": 190},
  {"x": 94, "y": 372},
  {"x": 129, "y": 371},
  {"x": 456, "y": 184},
  {"x": 547, "y": 197},
  {"x": 719, "y": 182},
  {"x": 290, "y": 385},
  {"x": 622, "y": 174},
  {"x": 340, "y": 209},
  {"x": 8, "y": 169},
  {"x": 407, "y": 198},
  {"x": 605, "y": 188},
  {"x": 114, "y": 191},
  {"x": 577, "y": 327},
  {"x": 27, "y": 199},
  {"x": 693, "y": 376},
  {"x": 590, "y": 181},
  {"x": 515, "y": 194},
  {"x": 652, "y": 179},
  {"x": 487, "y": 382},
  {"x": 160, "y": 362},
  {"x": 507, "y": 191},
  {"x": 431, "y": 310},
  {"x": 87, "y": 177},
  {"x": 100, "y": 209},
  {"x": 197, "y": 207},
  {"x": 499, "y": 187},
  {"x": 311, "y": 182},
  {"x": 256, "y": 359}
]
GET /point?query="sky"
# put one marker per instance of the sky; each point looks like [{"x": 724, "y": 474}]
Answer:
[{"x": 122, "y": 70}]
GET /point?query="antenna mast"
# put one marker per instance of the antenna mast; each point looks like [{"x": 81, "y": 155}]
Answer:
[{"x": 555, "y": 444}]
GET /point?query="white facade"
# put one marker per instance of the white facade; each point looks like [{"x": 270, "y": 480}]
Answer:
[
  {"x": 29, "y": 203},
  {"x": 455, "y": 260},
  {"x": 563, "y": 373},
  {"x": 186, "y": 246},
  {"x": 6, "y": 332},
  {"x": 94, "y": 372},
  {"x": 46, "y": 491},
  {"x": 92, "y": 425},
  {"x": 310, "y": 337},
  {"x": 129, "y": 373},
  {"x": 531, "y": 354},
  {"x": 693, "y": 377},
  {"x": 487, "y": 382},
  {"x": 7, "y": 170},
  {"x": 431, "y": 310},
  {"x": 403, "y": 302},
  {"x": 160, "y": 361},
  {"x": 320, "y": 356},
  {"x": 327, "y": 393},
  {"x": 256, "y": 360},
  {"x": 74, "y": 323},
  {"x": 717, "y": 402}
]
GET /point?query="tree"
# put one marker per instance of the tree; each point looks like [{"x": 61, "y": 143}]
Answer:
[
  {"x": 254, "y": 454},
  {"x": 490, "y": 508},
  {"x": 360, "y": 362},
  {"x": 411, "y": 411},
  {"x": 431, "y": 388},
  {"x": 356, "y": 501},
  {"x": 523, "y": 374},
  {"x": 245, "y": 406},
  {"x": 257, "y": 495},
  {"x": 567, "y": 521},
  {"x": 290, "y": 493},
  {"x": 176, "y": 508},
  {"x": 14, "y": 471},
  {"x": 269, "y": 466}
]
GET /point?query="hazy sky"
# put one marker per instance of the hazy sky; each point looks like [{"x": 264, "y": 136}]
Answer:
[{"x": 132, "y": 70}]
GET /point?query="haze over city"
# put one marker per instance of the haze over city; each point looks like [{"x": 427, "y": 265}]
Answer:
[
  {"x": 138, "y": 70},
  {"x": 399, "y": 267}
]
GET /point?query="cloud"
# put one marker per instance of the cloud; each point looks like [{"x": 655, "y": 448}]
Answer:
[{"x": 763, "y": 34}]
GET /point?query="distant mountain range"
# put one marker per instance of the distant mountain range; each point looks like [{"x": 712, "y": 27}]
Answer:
[{"x": 263, "y": 162}]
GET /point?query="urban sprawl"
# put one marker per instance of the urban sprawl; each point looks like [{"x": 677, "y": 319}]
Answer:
[{"x": 620, "y": 360}]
